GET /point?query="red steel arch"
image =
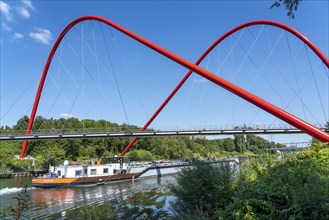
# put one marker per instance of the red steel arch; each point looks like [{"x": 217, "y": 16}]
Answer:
[
  {"x": 217, "y": 42},
  {"x": 283, "y": 115}
]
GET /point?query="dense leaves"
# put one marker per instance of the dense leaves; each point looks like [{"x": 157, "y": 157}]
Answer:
[
  {"x": 291, "y": 6},
  {"x": 267, "y": 187},
  {"x": 202, "y": 188}
]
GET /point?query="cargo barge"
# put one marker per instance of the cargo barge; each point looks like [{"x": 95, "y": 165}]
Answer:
[{"x": 117, "y": 169}]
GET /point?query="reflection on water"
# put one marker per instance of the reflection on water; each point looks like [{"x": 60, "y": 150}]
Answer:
[
  {"x": 158, "y": 198},
  {"x": 49, "y": 197},
  {"x": 45, "y": 202}
]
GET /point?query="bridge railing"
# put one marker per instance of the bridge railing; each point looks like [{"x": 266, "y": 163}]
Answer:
[{"x": 5, "y": 132}]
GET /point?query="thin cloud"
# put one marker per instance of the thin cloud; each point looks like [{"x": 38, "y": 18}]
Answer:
[
  {"x": 41, "y": 35},
  {"x": 66, "y": 115},
  {"x": 5, "y": 10},
  {"x": 17, "y": 36},
  {"x": 24, "y": 12},
  {"x": 28, "y": 4},
  {"x": 5, "y": 27}
]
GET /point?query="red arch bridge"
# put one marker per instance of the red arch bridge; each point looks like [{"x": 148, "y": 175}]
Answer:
[{"x": 298, "y": 125}]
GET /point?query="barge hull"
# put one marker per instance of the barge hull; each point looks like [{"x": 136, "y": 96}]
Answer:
[{"x": 98, "y": 180}]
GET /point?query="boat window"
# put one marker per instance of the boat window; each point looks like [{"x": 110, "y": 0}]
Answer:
[
  {"x": 93, "y": 172},
  {"x": 78, "y": 172},
  {"x": 105, "y": 170},
  {"x": 59, "y": 172}
]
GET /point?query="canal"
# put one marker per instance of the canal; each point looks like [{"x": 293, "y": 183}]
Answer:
[{"x": 56, "y": 203}]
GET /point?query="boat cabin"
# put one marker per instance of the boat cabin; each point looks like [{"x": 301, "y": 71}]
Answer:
[{"x": 108, "y": 166}]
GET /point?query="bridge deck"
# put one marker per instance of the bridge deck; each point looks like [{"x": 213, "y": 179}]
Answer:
[{"x": 13, "y": 137}]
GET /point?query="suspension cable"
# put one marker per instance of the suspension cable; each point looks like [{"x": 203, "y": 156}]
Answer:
[
  {"x": 315, "y": 82},
  {"x": 126, "y": 69},
  {"x": 86, "y": 70},
  {"x": 287, "y": 82},
  {"x": 295, "y": 74},
  {"x": 19, "y": 97},
  {"x": 114, "y": 75}
]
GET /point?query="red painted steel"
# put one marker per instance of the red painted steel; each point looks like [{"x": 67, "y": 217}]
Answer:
[
  {"x": 291, "y": 119},
  {"x": 218, "y": 41}
]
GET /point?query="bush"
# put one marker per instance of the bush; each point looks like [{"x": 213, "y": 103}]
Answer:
[
  {"x": 296, "y": 186},
  {"x": 5, "y": 170},
  {"x": 19, "y": 165},
  {"x": 204, "y": 188},
  {"x": 267, "y": 187}
]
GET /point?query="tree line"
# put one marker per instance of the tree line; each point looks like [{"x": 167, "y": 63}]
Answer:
[{"x": 146, "y": 148}]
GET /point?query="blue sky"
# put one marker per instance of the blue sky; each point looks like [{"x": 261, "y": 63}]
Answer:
[{"x": 187, "y": 28}]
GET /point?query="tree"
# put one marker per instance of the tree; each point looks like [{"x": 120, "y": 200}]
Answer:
[
  {"x": 38, "y": 123},
  {"x": 100, "y": 149},
  {"x": 228, "y": 144},
  {"x": 50, "y": 154},
  {"x": 141, "y": 155},
  {"x": 256, "y": 144},
  {"x": 291, "y": 6},
  {"x": 21, "y": 124},
  {"x": 240, "y": 145}
]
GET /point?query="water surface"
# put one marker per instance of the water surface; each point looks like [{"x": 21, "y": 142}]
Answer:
[{"x": 43, "y": 203}]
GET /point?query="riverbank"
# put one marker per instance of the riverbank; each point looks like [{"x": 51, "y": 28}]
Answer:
[
  {"x": 22, "y": 174},
  {"x": 13, "y": 175}
]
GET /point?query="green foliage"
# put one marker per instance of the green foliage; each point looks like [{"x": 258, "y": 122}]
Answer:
[
  {"x": 21, "y": 124},
  {"x": 291, "y": 6},
  {"x": 228, "y": 144},
  {"x": 171, "y": 148},
  {"x": 141, "y": 155},
  {"x": 93, "y": 211},
  {"x": 56, "y": 151},
  {"x": 203, "y": 187},
  {"x": 267, "y": 187},
  {"x": 240, "y": 145},
  {"x": 5, "y": 170},
  {"x": 87, "y": 152},
  {"x": 51, "y": 154},
  {"x": 7, "y": 158},
  {"x": 20, "y": 165},
  {"x": 283, "y": 189},
  {"x": 257, "y": 144},
  {"x": 8, "y": 150}
]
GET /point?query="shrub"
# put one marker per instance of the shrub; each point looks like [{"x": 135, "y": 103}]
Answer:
[
  {"x": 5, "y": 170},
  {"x": 288, "y": 187},
  {"x": 204, "y": 188}
]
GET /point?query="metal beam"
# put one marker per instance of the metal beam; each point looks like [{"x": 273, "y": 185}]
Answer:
[{"x": 129, "y": 134}]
